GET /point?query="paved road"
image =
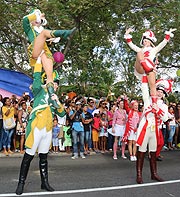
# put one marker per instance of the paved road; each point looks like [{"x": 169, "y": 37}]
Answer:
[{"x": 97, "y": 175}]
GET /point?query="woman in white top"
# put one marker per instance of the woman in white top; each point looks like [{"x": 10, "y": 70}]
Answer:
[{"x": 171, "y": 127}]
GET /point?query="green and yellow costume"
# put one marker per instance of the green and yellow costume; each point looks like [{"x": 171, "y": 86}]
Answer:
[
  {"x": 43, "y": 112},
  {"x": 33, "y": 31},
  {"x": 32, "y": 34}
]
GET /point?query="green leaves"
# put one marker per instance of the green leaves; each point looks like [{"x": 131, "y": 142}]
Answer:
[{"x": 96, "y": 50}]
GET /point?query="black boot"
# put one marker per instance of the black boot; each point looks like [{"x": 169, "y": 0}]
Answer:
[
  {"x": 23, "y": 172},
  {"x": 153, "y": 167},
  {"x": 50, "y": 89},
  {"x": 139, "y": 166},
  {"x": 43, "y": 166}
]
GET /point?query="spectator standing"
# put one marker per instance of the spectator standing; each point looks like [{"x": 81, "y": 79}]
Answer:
[
  {"x": 1, "y": 121},
  {"x": 87, "y": 120},
  {"x": 118, "y": 128},
  {"x": 21, "y": 125},
  {"x": 16, "y": 108},
  {"x": 177, "y": 118},
  {"x": 131, "y": 127},
  {"x": 91, "y": 108},
  {"x": 8, "y": 112},
  {"x": 103, "y": 133},
  {"x": 171, "y": 127},
  {"x": 55, "y": 133},
  {"x": 110, "y": 114},
  {"x": 95, "y": 131},
  {"x": 67, "y": 136},
  {"x": 77, "y": 130}
]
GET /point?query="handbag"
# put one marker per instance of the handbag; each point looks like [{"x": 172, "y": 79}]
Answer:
[{"x": 9, "y": 123}]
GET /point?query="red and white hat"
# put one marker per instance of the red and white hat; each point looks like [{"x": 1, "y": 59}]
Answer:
[
  {"x": 165, "y": 85},
  {"x": 149, "y": 35}
]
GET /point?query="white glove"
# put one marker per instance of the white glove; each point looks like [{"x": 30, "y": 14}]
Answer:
[
  {"x": 170, "y": 32},
  {"x": 55, "y": 40},
  {"x": 127, "y": 33},
  {"x": 37, "y": 12}
]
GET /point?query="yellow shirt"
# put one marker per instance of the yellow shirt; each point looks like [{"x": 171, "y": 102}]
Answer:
[{"x": 5, "y": 109}]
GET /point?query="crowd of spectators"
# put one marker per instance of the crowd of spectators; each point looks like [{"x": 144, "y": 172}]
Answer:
[{"x": 84, "y": 129}]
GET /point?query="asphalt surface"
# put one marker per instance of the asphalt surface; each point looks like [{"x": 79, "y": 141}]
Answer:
[{"x": 97, "y": 175}]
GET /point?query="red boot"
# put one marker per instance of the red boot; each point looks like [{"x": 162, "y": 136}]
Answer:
[
  {"x": 139, "y": 166},
  {"x": 153, "y": 167}
]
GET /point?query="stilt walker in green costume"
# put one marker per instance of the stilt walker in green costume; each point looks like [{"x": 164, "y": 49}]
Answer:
[
  {"x": 33, "y": 27},
  {"x": 39, "y": 130}
]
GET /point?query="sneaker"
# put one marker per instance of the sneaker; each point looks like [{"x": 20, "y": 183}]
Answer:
[
  {"x": 83, "y": 157},
  {"x": 135, "y": 158},
  {"x": 74, "y": 157},
  {"x": 124, "y": 157},
  {"x": 165, "y": 147},
  {"x": 131, "y": 158},
  {"x": 115, "y": 157}
]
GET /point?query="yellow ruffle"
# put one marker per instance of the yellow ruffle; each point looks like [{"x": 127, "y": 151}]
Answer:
[
  {"x": 45, "y": 48},
  {"x": 43, "y": 119}
]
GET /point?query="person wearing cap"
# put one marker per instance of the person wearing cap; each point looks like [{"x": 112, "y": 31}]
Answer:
[
  {"x": 146, "y": 60},
  {"x": 75, "y": 116},
  {"x": 33, "y": 25},
  {"x": 148, "y": 131},
  {"x": 39, "y": 130}
]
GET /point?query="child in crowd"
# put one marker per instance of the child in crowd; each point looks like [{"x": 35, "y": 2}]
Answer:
[
  {"x": 67, "y": 137},
  {"x": 103, "y": 132},
  {"x": 95, "y": 131},
  {"x": 55, "y": 133}
]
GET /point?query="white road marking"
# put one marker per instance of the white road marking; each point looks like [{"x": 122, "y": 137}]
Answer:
[{"x": 92, "y": 189}]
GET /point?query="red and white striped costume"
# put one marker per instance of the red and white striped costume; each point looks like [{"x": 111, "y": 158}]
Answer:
[
  {"x": 148, "y": 130},
  {"x": 149, "y": 52}
]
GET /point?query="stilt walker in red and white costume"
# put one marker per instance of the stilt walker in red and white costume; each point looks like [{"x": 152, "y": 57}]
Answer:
[
  {"x": 146, "y": 60},
  {"x": 148, "y": 130}
]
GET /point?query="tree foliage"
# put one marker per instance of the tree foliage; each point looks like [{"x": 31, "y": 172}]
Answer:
[{"x": 98, "y": 53}]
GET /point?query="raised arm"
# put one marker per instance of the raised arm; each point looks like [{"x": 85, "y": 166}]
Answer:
[
  {"x": 34, "y": 16},
  {"x": 128, "y": 39},
  {"x": 168, "y": 35}
]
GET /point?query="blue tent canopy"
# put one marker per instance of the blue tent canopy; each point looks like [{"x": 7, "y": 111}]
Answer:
[{"x": 15, "y": 82}]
